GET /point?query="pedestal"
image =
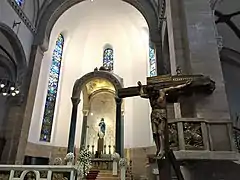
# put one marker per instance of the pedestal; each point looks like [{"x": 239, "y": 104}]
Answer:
[
  {"x": 115, "y": 158},
  {"x": 123, "y": 173},
  {"x": 123, "y": 168},
  {"x": 100, "y": 145},
  {"x": 115, "y": 168}
]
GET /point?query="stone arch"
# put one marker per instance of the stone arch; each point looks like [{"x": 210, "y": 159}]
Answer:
[
  {"x": 56, "y": 8},
  {"x": 79, "y": 83},
  {"x": 9, "y": 67},
  {"x": 17, "y": 48}
]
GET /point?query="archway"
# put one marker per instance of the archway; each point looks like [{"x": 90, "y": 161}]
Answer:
[
  {"x": 13, "y": 67},
  {"x": 77, "y": 89},
  {"x": 55, "y": 9},
  {"x": 19, "y": 60}
]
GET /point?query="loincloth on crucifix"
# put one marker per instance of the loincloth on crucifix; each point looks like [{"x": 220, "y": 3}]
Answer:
[{"x": 158, "y": 120}]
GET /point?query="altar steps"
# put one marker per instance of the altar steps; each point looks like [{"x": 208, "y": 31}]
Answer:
[{"x": 106, "y": 174}]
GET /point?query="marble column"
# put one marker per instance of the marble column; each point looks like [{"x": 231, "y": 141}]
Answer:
[
  {"x": 118, "y": 135},
  {"x": 72, "y": 131},
  {"x": 84, "y": 129}
]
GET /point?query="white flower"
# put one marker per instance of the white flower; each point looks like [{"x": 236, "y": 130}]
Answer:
[
  {"x": 84, "y": 162},
  {"x": 123, "y": 162},
  {"x": 115, "y": 156},
  {"x": 69, "y": 157}
]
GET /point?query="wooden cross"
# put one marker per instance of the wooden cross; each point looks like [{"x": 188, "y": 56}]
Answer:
[{"x": 172, "y": 87}]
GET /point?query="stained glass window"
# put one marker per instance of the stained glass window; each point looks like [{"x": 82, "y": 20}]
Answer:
[
  {"x": 19, "y": 2},
  {"x": 52, "y": 90},
  {"x": 152, "y": 61},
  {"x": 108, "y": 59}
]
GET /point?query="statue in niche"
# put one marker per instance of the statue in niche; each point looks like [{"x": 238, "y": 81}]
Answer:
[
  {"x": 101, "y": 134},
  {"x": 102, "y": 129}
]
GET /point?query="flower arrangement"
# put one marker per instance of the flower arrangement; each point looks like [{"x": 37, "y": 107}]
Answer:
[
  {"x": 123, "y": 163},
  {"x": 115, "y": 156},
  {"x": 69, "y": 158},
  {"x": 84, "y": 162}
]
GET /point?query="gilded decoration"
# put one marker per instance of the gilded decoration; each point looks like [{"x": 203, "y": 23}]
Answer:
[
  {"x": 173, "y": 135},
  {"x": 193, "y": 136},
  {"x": 98, "y": 84}
]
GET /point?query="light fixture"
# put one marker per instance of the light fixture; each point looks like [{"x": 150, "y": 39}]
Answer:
[
  {"x": 91, "y": 114},
  {"x": 8, "y": 88}
]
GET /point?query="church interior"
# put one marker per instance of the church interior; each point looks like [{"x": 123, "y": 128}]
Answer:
[{"x": 64, "y": 64}]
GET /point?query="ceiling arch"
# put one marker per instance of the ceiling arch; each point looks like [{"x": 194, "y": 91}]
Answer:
[
  {"x": 16, "y": 45},
  {"x": 56, "y": 8}
]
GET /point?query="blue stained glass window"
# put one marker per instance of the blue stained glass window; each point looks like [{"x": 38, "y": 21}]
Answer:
[
  {"x": 152, "y": 61},
  {"x": 19, "y": 2},
  {"x": 52, "y": 90},
  {"x": 108, "y": 59}
]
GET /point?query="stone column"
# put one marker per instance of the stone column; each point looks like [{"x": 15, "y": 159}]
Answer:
[
  {"x": 118, "y": 126},
  {"x": 72, "y": 131},
  {"x": 161, "y": 66},
  {"x": 203, "y": 50},
  {"x": 205, "y": 57},
  {"x": 84, "y": 129},
  {"x": 178, "y": 50},
  {"x": 28, "y": 89}
]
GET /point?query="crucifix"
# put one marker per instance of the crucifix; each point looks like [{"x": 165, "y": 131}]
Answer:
[{"x": 160, "y": 90}]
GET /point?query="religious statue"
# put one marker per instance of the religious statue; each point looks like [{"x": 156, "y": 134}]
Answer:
[
  {"x": 158, "y": 103},
  {"x": 102, "y": 128},
  {"x": 101, "y": 134}
]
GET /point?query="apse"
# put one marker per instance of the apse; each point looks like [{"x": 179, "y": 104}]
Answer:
[{"x": 88, "y": 29}]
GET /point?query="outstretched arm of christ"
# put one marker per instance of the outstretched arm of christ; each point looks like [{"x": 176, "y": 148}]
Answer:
[
  {"x": 177, "y": 87},
  {"x": 142, "y": 94}
]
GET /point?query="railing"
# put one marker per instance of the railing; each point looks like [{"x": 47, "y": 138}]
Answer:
[
  {"x": 22, "y": 172},
  {"x": 236, "y": 136}
]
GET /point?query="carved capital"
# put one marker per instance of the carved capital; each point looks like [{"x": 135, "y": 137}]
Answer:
[
  {"x": 75, "y": 101},
  {"x": 85, "y": 112}
]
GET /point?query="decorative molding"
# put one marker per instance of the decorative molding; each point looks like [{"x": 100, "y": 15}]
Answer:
[{"x": 22, "y": 15}]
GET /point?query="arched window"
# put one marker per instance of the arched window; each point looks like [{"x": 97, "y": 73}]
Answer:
[
  {"x": 152, "y": 61},
  {"x": 19, "y": 2},
  {"x": 52, "y": 90},
  {"x": 108, "y": 58}
]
